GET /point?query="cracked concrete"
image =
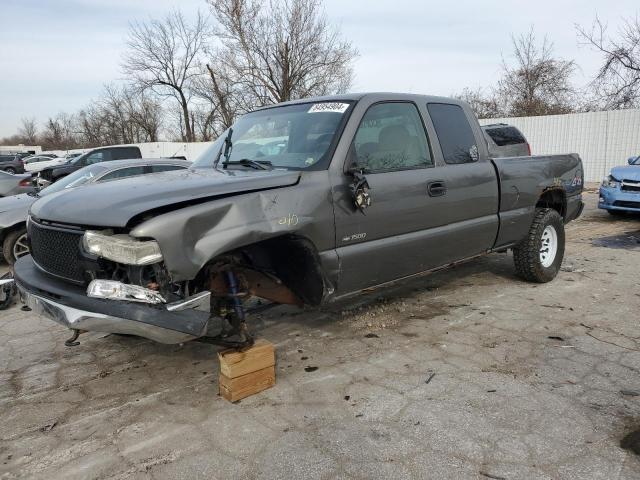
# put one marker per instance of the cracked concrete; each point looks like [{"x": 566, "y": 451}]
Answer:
[{"x": 506, "y": 401}]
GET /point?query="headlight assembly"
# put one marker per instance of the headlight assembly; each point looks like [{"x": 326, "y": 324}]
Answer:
[
  {"x": 610, "y": 182},
  {"x": 122, "y": 248}
]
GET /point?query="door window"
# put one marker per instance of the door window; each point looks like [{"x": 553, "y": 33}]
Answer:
[
  {"x": 95, "y": 157},
  {"x": 125, "y": 152},
  {"x": 391, "y": 136},
  {"x": 456, "y": 138},
  {"x": 166, "y": 168},
  {"x": 122, "y": 173}
]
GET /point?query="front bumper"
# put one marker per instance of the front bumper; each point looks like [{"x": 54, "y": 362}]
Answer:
[
  {"x": 616, "y": 199},
  {"x": 69, "y": 306}
]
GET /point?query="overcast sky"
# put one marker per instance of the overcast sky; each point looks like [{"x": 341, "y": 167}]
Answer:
[{"x": 56, "y": 55}]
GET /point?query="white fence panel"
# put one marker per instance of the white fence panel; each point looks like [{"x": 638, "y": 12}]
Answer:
[{"x": 602, "y": 139}]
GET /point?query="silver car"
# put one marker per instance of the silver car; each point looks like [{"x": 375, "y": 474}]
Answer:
[
  {"x": 14, "y": 209},
  {"x": 11, "y": 184},
  {"x": 505, "y": 141}
]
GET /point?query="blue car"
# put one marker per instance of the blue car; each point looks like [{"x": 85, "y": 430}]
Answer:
[{"x": 620, "y": 190}]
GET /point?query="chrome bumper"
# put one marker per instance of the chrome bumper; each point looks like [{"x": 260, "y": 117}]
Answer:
[{"x": 96, "y": 322}]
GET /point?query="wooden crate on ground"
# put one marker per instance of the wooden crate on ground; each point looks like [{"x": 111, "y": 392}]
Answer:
[{"x": 248, "y": 371}]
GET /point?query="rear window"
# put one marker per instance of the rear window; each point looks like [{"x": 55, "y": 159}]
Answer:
[{"x": 505, "y": 136}]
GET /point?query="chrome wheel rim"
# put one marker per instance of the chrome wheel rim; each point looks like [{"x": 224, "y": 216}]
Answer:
[
  {"x": 548, "y": 246},
  {"x": 21, "y": 248}
]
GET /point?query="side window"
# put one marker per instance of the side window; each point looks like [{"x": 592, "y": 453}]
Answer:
[
  {"x": 391, "y": 136},
  {"x": 125, "y": 153},
  {"x": 95, "y": 157},
  {"x": 166, "y": 168},
  {"x": 456, "y": 138},
  {"x": 122, "y": 173}
]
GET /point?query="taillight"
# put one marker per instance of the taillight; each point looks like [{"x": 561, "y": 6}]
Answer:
[
  {"x": 529, "y": 148},
  {"x": 25, "y": 183}
]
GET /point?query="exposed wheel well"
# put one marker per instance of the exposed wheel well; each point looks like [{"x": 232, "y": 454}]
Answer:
[
  {"x": 288, "y": 261},
  {"x": 554, "y": 198}
]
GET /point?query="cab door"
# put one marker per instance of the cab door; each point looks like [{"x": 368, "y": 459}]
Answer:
[{"x": 384, "y": 242}]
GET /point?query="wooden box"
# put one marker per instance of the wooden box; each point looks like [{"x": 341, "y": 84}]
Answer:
[{"x": 248, "y": 371}]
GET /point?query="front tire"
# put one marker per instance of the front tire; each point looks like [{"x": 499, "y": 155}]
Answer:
[
  {"x": 15, "y": 245},
  {"x": 10, "y": 170},
  {"x": 538, "y": 257}
]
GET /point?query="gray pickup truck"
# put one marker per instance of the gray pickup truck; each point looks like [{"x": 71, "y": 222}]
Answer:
[{"x": 299, "y": 203}]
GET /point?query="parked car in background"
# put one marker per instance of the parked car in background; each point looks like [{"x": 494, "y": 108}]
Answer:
[
  {"x": 38, "y": 162},
  {"x": 11, "y": 164},
  {"x": 620, "y": 190},
  {"x": 14, "y": 210},
  {"x": 48, "y": 175},
  {"x": 11, "y": 184},
  {"x": 300, "y": 203},
  {"x": 505, "y": 141}
]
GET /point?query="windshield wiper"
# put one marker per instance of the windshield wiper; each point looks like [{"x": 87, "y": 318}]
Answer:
[
  {"x": 225, "y": 147},
  {"x": 245, "y": 162}
]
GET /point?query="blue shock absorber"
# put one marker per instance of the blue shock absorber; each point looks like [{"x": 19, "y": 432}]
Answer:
[{"x": 232, "y": 281}]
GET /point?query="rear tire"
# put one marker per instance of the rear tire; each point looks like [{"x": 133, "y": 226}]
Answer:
[
  {"x": 10, "y": 170},
  {"x": 539, "y": 256},
  {"x": 14, "y": 245}
]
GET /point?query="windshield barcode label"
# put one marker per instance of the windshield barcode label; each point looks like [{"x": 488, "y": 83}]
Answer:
[{"x": 328, "y": 107}]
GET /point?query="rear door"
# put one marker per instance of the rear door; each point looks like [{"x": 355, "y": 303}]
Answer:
[{"x": 469, "y": 217}]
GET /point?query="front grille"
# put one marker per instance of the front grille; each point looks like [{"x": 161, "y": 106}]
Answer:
[
  {"x": 57, "y": 250},
  {"x": 622, "y": 203},
  {"x": 630, "y": 186}
]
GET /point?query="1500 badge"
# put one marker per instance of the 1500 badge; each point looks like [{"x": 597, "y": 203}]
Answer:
[{"x": 355, "y": 236}]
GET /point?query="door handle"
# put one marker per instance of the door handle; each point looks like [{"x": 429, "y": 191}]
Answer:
[{"x": 437, "y": 188}]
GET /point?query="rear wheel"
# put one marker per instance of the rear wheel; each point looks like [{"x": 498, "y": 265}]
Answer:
[
  {"x": 538, "y": 257},
  {"x": 15, "y": 245},
  {"x": 10, "y": 170}
]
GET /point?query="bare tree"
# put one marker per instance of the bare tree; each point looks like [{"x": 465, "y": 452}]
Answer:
[
  {"x": 484, "y": 104},
  {"x": 538, "y": 83},
  {"x": 617, "y": 83},
  {"x": 163, "y": 55},
  {"x": 28, "y": 131},
  {"x": 282, "y": 49},
  {"x": 61, "y": 132}
]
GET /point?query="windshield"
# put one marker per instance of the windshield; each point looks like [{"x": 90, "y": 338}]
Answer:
[
  {"x": 75, "y": 179},
  {"x": 294, "y": 136}
]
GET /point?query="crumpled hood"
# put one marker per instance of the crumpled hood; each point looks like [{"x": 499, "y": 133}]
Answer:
[
  {"x": 628, "y": 172},
  {"x": 114, "y": 203}
]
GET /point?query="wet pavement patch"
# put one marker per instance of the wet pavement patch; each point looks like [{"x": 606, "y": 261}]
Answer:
[
  {"x": 631, "y": 442},
  {"x": 310, "y": 369},
  {"x": 626, "y": 240}
]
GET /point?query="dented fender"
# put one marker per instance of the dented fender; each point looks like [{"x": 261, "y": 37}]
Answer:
[{"x": 191, "y": 236}]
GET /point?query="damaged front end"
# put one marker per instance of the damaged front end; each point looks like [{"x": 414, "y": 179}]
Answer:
[{"x": 108, "y": 281}]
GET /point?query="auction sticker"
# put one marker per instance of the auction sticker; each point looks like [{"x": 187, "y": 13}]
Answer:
[{"x": 328, "y": 107}]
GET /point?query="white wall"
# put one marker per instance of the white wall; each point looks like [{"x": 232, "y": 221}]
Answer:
[{"x": 602, "y": 139}]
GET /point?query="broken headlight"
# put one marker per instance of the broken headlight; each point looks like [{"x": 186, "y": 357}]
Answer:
[
  {"x": 122, "y": 248},
  {"x": 610, "y": 182}
]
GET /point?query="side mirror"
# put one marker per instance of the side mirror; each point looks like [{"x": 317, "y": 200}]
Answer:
[{"x": 632, "y": 160}]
